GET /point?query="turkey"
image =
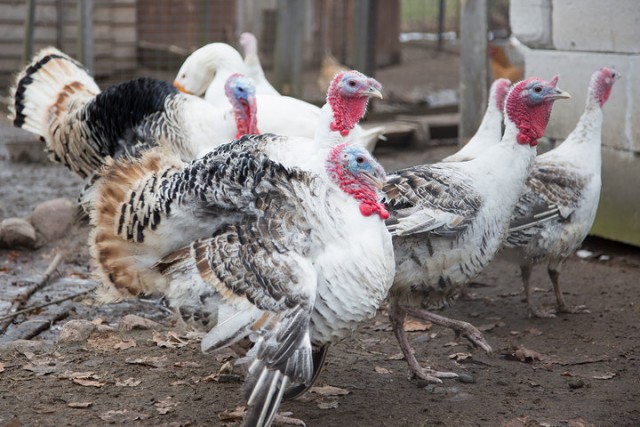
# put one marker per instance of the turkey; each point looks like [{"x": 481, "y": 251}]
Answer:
[
  {"x": 558, "y": 206},
  {"x": 206, "y": 69},
  {"x": 283, "y": 255},
  {"x": 490, "y": 131},
  {"x": 126, "y": 265},
  {"x": 249, "y": 45},
  {"x": 449, "y": 219},
  {"x": 55, "y": 97}
]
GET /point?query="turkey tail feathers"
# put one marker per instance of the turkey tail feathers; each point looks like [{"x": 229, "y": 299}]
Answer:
[{"x": 46, "y": 88}]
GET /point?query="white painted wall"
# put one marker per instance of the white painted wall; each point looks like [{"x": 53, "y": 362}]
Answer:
[{"x": 573, "y": 38}]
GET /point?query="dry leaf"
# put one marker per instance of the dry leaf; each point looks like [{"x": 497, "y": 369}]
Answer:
[
  {"x": 154, "y": 362},
  {"x": 382, "y": 326},
  {"x": 80, "y": 405},
  {"x": 165, "y": 406},
  {"x": 131, "y": 321},
  {"x": 397, "y": 356},
  {"x": 534, "y": 331},
  {"x": 187, "y": 365},
  {"x": 122, "y": 416},
  {"x": 381, "y": 370},
  {"x": 40, "y": 369},
  {"x": 236, "y": 414},
  {"x": 87, "y": 383},
  {"x": 171, "y": 340},
  {"x": 70, "y": 375},
  {"x": 461, "y": 357},
  {"x": 328, "y": 405},
  {"x": 125, "y": 344},
  {"x": 605, "y": 376},
  {"x": 129, "y": 382},
  {"x": 487, "y": 327},
  {"x": 411, "y": 325},
  {"x": 329, "y": 390},
  {"x": 1, "y": 367},
  {"x": 523, "y": 354}
]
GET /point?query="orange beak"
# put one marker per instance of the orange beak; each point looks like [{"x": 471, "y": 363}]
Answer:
[{"x": 180, "y": 87}]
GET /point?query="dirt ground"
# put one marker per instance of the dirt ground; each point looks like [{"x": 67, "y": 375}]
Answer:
[{"x": 583, "y": 368}]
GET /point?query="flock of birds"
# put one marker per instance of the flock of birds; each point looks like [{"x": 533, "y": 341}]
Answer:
[{"x": 267, "y": 223}]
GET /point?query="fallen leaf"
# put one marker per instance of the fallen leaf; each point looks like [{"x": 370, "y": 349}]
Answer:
[
  {"x": 125, "y": 344},
  {"x": 40, "y": 369},
  {"x": 397, "y": 356},
  {"x": 170, "y": 340},
  {"x": 98, "y": 321},
  {"x": 87, "y": 383},
  {"x": 71, "y": 375},
  {"x": 605, "y": 376},
  {"x": 80, "y": 405},
  {"x": 165, "y": 406},
  {"x": 187, "y": 365},
  {"x": 381, "y": 370},
  {"x": 179, "y": 382},
  {"x": 1, "y": 367},
  {"x": 411, "y": 325},
  {"x": 328, "y": 405},
  {"x": 382, "y": 326},
  {"x": 129, "y": 382},
  {"x": 534, "y": 331},
  {"x": 579, "y": 422},
  {"x": 236, "y": 414},
  {"x": 461, "y": 357},
  {"x": 329, "y": 390},
  {"x": 152, "y": 361},
  {"x": 122, "y": 416},
  {"x": 523, "y": 354},
  {"x": 131, "y": 321}
]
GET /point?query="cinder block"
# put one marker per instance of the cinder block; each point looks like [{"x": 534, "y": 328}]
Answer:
[
  {"x": 621, "y": 130},
  {"x": 618, "y": 215},
  {"x": 531, "y": 22},
  {"x": 596, "y": 25}
]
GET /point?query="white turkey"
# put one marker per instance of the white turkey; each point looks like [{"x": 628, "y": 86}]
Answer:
[
  {"x": 287, "y": 256},
  {"x": 55, "y": 98},
  {"x": 249, "y": 45},
  {"x": 205, "y": 71},
  {"x": 558, "y": 206},
  {"x": 449, "y": 219},
  {"x": 490, "y": 130}
]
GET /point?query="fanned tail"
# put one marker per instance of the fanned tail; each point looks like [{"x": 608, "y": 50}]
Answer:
[
  {"x": 113, "y": 254},
  {"x": 47, "y": 89}
]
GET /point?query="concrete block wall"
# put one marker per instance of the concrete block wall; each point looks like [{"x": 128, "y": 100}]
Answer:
[{"x": 573, "y": 38}]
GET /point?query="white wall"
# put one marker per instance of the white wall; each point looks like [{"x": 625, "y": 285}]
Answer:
[{"x": 573, "y": 38}]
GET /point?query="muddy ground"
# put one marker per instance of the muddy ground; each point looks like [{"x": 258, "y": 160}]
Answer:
[{"x": 587, "y": 373}]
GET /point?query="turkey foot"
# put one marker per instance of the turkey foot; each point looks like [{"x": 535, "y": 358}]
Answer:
[{"x": 461, "y": 328}]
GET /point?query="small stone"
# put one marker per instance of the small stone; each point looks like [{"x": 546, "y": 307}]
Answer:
[
  {"x": 52, "y": 218},
  {"x": 466, "y": 378},
  {"x": 132, "y": 321},
  {"x": 76, "y": 331},
  {"x": 502, "y": 382},
  {"x": 17, "y": 232},
  {"x": 576, "y": 383}
]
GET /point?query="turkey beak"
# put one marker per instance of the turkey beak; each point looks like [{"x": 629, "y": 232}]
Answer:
[
  {"x": 180, "y": 87},
  {"x": 558, "y": 93},
  {"x": 374, "y": 89},
  {"x": 377, "y": 178}
]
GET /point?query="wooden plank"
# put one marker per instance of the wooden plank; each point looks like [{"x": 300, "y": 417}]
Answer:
[{"x": 473, "y": 66}]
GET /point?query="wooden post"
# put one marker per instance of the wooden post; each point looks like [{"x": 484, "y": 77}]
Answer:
[
  {"x": 289, "y": 44},
  {"x": 441, "y": 6},
  {"x": 29, "y": 28},
  {"x": 473, "y": 66},
  {"x": 365, "y": 21},
  {"x": 85, "y": 33}
]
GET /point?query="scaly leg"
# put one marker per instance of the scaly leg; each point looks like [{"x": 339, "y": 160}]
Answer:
[
  {"x": 534, "y": 311},
  {"x": 461, "y": 328},
  {"x": 554, "y": 275},
  {"x": 396, "y": 316}
]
